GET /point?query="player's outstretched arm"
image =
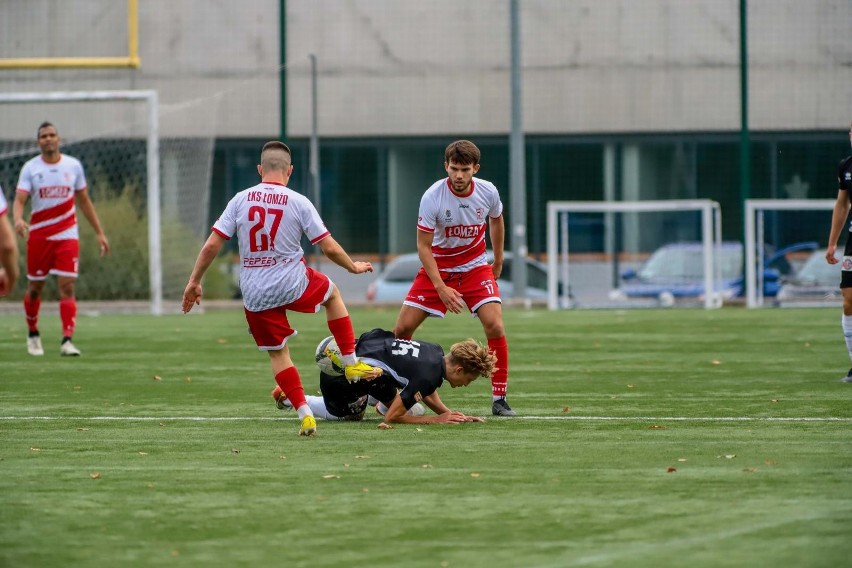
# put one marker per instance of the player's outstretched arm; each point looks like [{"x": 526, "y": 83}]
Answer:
[
  {"x": 193, "y": 292},
  {"x": 396, "y": 413},
  {"x": 335, "y": 253}
]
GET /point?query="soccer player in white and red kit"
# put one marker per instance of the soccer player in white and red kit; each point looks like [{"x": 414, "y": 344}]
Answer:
[
  {"x": 8, "y": 250},
  {"x": 269, "y": 220},
  {"x": 454, "y": 215},
  {"x": 56, "y": 185}
]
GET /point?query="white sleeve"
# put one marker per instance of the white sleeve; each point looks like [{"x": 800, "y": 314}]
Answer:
[
  {"x": 226, "y": 224},
  {"x": 312, "y": 224},
  {"x": 496, "y": 205},
  {"x": 25, "y": 182},
  {"x": 426, "y": 219},
  {"x": 81, "y": 177}
]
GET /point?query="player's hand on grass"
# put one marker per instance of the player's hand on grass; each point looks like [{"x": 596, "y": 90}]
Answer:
[
  {"x": 191, "y": 296},
  {"x": 451, "y": 417}
]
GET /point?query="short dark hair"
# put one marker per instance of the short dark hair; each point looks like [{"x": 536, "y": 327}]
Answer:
[
  {"x": 276, "y": 145},
  {"x": 45, "y": 124},
  {"x": 462, "y": 152},
  {"x": 271, "y": 157}
]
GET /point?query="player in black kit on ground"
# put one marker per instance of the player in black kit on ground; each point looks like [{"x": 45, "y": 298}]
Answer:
[{"x": 413, "y": 371}]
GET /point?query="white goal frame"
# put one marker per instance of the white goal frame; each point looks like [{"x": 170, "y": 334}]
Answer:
[
  {"x": 153, "y": 166},
  {"x": 754, "y": 209},
  {"x": 558, "y": 251}
]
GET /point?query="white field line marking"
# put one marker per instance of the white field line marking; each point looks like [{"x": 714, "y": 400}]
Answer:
[
  {"x": 548, "y": 418},
  {"x": 636, "y": 551}
]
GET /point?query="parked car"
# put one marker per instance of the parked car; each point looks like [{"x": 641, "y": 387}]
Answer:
[
  {"x": 816, "y": 281},
  {"x": 393, "y": 282},
  {"x": 676, "y": 272}
]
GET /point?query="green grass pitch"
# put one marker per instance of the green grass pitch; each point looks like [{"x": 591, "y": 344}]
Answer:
[{"x": 646, "y": 438}]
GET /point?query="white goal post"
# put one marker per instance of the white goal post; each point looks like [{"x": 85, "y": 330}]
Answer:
[
  {"x": 558, "y": 241},
  {"x": 754, "y": 230},
  {"x": 149, "y": 97}
]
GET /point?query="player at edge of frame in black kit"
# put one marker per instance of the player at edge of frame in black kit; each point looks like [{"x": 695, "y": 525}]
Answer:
[
  {"x": 412, "y": 373},
  {"x": 838, "y": 221}
]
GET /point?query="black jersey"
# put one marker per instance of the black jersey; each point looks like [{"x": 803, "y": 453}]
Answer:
[
  {"x": 844, "y": 173},
  {"x": 416, "y": 366}
]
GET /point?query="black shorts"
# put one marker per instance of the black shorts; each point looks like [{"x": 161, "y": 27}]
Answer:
[
  {"x": 348, "y": 400},
  {"x": 846, "y": 264}
]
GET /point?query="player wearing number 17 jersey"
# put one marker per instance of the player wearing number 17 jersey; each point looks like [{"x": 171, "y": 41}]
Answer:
[
  {"x": 454, "y": 215},
  {"x": 269, "y": 220}
]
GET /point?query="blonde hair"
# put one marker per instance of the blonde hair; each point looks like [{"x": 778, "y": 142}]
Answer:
[{"x": 473, "y": 357}]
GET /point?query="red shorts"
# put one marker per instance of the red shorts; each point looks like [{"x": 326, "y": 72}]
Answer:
[
  {"x": 477, "y": 287},
  {"x": 60, "y": 258},
  {"x": 271, "y": 329}
]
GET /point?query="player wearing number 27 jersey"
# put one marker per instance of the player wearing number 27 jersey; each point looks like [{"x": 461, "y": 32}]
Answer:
[{"x": 269, "y": 220}]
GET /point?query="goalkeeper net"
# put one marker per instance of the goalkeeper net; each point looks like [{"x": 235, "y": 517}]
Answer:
[
  {"x": 148, "y": 177},
  {"x": 785, "y": 235},
  {"x": 639, "y": 254}
]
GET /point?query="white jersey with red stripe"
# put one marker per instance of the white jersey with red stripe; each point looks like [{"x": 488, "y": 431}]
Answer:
[
  {"x": 269, "y": 220},
  {"x": 458, "y": 223},
  {"x": 52, "y": 188}
]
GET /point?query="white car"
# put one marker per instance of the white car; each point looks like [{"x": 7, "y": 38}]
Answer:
[{"x": 393, "y": 282}]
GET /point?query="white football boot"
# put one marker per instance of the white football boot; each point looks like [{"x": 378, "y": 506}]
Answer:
[{"x": 34, "y": 346}]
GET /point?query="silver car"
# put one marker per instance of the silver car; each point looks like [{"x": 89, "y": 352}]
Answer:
[
  {"x": 816, "y": 282},
  {"x": 393, "y": 282}
]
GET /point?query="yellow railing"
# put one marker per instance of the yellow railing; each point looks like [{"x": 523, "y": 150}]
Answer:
[{"x": 131, "y": 60}]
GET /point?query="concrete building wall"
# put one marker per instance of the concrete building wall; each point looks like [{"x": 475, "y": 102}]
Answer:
[{"x": 441, "y": 67}]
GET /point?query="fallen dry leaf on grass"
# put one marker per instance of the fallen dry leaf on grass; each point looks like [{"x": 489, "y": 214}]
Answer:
[
  {"x": 657, "y": 427},
  {"x": 474, "y": 474},
  {"x": 384, "y": 426},
  {"x": 750, "y": 469},
  {"x": 715, "y": 362},
  {"x": 235, "y": 450},
  {"x": 769, "y": 461},
  {"x": 566, "y": 409},
  {"x": 426, "y": 466},
  {"x": 670, "y": 469},
  {"x": 331, "y": 476},
  {"x": 95, "y": 475},
  {"x": 158, "y": 378}
]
